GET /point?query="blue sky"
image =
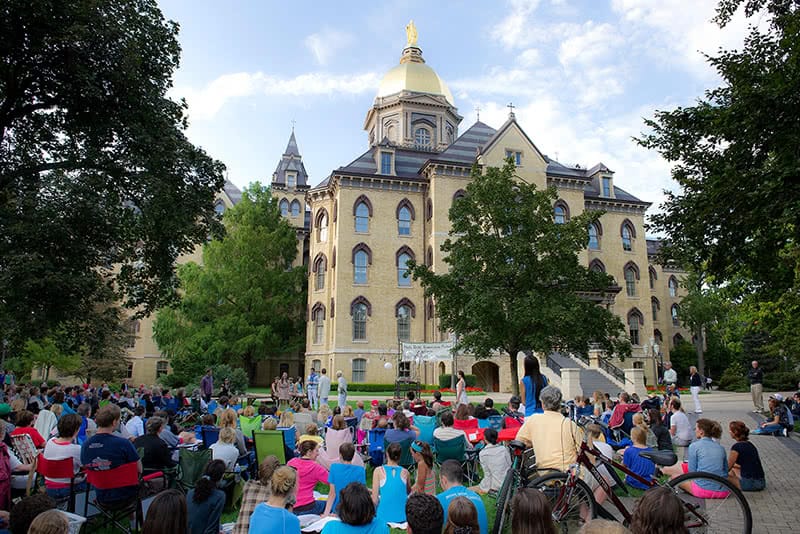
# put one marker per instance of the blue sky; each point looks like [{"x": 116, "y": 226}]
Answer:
[{"x": 582, "y": 74}]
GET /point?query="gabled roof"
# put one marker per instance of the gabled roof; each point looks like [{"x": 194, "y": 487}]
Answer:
[
  {"x": 291, "y": 161},
  {"x": 600, "y": 167},
  {"x": 291, "y": 147},
  {"x": 232, "y": 192},
  {"x": 512, "y": 121}
]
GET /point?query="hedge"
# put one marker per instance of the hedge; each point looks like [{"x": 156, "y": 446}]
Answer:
[
  {"x": 361, "y": 387},
  {"x": 781, "y": 380},
  {"x": 445, "y": 380}
]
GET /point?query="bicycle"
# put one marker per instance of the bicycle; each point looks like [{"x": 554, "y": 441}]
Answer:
[{"x": 573, "y": 501}]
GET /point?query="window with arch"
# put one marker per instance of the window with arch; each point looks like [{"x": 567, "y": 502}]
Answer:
[
  {"x": 403, "y": 323},
  {"x": 627, "y": 237},
  {"x": 631, "y": 276},
  {"x": 284, "y": 204},
  {"x": 673, "y": 286},
  {"x": 404, "y": 255},
  {"x": 597, "y": 266},
  {"x": 322, "y": 226},
  {"x": 405, "y": 214},
  {"x": 653, "y": 277},
  {"x": 360, "y": 308},
  {"x": 362, "y": 211},
  {"x": 319, "y": 267},
  {"x": 674, "y": 313},
  {"x": 635, "y": 321},
  {"x": 316, "y": 365},
  {"x": 162, "y": 368},
  {"x": 658, "y": 337},
  {"x": 677, "y": 339},
  {"x": 362, "y": 259},
  {"x": 429, "y": 210},
  {"x": 219, "y": 208},
  {"x": 561, "y": 212},
  {"x": 429, "y": 257},
  {"x": 656, "y": 306},
  {"x": 134, "y": 326},
  {"x": 318, "y": 319},
  {"x": 359, "y": 373},
  {"x": 295, "y": 208},
  {"x": 458, "y": 195},
  {"x": 594, "y": 237},
  {"x": 422, "y": 137}
]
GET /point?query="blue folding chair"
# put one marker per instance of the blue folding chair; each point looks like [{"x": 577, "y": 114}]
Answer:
[
  {"x": 375, "y": 450},
  {"x": 212, "y": 406},
  {"x": 426, "y": 425},
  {"x": 210, "y": 436},
  {"x": 496, "y": 422},
  {"x": 483, "y": 423}
]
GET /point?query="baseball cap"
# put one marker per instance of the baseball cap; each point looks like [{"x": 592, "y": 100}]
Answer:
[
  {"x": 777, "y": 396},
  {"x": 375, "y": 402}
]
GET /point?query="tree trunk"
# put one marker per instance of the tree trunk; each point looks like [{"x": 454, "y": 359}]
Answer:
[
  {"x": 699, "y": 348},
  {"x": 514, "y": 372}
]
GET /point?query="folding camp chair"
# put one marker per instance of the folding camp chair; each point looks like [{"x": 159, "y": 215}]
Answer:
[
  {"x": 496, "y": 422},
  {"x": 406, "y": 460},
  {"x": 439, "y": 415},
  {"x": 267, "y": 442},
  {"x": 210, "y": 436},
  {"x": 289, "y": 440},
  {"x": 483, "y": 423},
  {"x": 455, "y": 449},
  {"x": 64, "y": 468},
  {"x": 191, "y": 466},
  {"x": 248, "y": 424},
  {"x": 426, "y": 425},
  {"x": 117, "y": 513},
  {"x": 212, "y": 406},
  {"x": 467, "y": 425},
  {"x": 375, "y": 447}
]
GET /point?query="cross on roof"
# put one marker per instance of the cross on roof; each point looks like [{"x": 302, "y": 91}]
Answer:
[
  {"x": 293, "y": 121},
  {"x": 478, "y": 111},
  {"x": 511, "y": 110}
]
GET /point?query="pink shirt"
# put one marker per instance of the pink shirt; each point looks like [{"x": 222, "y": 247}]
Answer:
[{"x": 309, "y": 473}]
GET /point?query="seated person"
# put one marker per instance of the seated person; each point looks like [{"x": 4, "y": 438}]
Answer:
[
  {"x": 451, "y": 480},
  {"x": 746, "y": 471},
  {"x": 402, "y": 429},
  {"x": 495, "y": 461},
  {"x": 25, "y": 426},
  {"x": 205, "y": 502},
  {"x": 489, "y": 405},
  {"x": 225, "y": 448},
  {"x": 447, "y": 432},
  {"x": 342, "y": 474},
  {"x": 663, "y": 437},
  {"x": 156, "y": 454},
  {"x": 424, "y": 514},
  {"x": 255, "y": 492},
  {"x": 641, "y": 466},
  {"x": 777, "y": 423},
  {"x": 554, "y": 438},
  {"x": 480, "y": 413},
  {"x": 705, "y": 454},
  {"x": 584, "y": 408},
  {"x": 679, "y": 427},
  {"x": 334, "y": 437},
  {"x": 795, "y": 408},
  {"x": 462, "y": 413},
  {"x": 436, "y": 403},
  {"x": 60, "y": 448},
  {"x": 625, "y": 405},
  {"x": 135, "y": 425},
  {"x": 356, "y": 513},
  {"x": 274, "y": 510},
  {"x": 312, "y": 433},
  {"x": 514, "y": 404}
]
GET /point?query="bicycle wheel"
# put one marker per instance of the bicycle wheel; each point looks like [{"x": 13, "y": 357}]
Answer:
[
  {"x": 503, "y": 510},
  {"x": 721, "y": 508},
  {"x": 572, "y": 505}
]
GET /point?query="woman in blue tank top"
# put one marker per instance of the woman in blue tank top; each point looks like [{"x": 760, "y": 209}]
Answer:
[
  {"x": 390, "y": 487},
  {"x": 531, "y": 385}
]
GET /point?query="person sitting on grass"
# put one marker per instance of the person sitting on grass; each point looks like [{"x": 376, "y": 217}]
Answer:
[
  {"x": 424, "y": 514},
  {"x": 255, "y": 492},
  {"x": 531, "y": 513},
  {"x": 706, "y": 455},
  {"x": 205, "y": 502},
  {"x": 659, "y": 511},
  {"x": 451, "y": 480},
  {"x": 309, "y": 473},
  {"x": 167, "y": 514},
  {"x": 356, "y": 513},
  {"x": 462, "y": 517},
  {"x": 274, "y": 515},
  {"x": 495, "y": 461},
  {"x": 423, "y": 456},
  {"x": 746, "y": 471},
  {"x": 390, "y": 487},
  {"x": 343, "y": 473},
  {"x": 641, "y": 466}
]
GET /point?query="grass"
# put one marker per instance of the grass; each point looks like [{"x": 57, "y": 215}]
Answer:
[{"x": 372, "y": 394}]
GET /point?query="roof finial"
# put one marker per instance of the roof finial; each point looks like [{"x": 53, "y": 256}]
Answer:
[
  {"x": 478, "y": 112},
  {"x": 293, "y": 121},
  {"x": 411, "y": 35},
  {"x": 511, "y": 110}
]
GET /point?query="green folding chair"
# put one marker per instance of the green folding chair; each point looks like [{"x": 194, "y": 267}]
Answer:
[
  {"x": 455, "y": 449},
  {"x": 249, "y": 424},
  {"x": 268, "y": 442},
  {"x": 191, "y": 466},
  {"x": 406, "y": 460}
]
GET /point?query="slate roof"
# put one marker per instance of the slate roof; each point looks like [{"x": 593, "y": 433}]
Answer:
[
  {"x": 407, "y": 163},
  {"x": 591, "y": 191},
  {"x": 653, "y": 246},
  {"x": 465, "y": 148},
  {"x": 291, "y": 161},
  {"x": 291, "y": 147},
  {"x": 233, "y": 192}
]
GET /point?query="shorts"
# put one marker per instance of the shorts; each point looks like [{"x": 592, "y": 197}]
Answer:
[
  {"x": 752, "y": 484},
  {"x": 702, "y": 493}
]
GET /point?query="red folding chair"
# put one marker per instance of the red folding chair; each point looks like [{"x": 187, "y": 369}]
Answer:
[
  {"x": 511, "y": 422},
  {"x": 59, "y": 469},
  {"x": 467, "y": 425},
  {"x": 124, "y": 476}
]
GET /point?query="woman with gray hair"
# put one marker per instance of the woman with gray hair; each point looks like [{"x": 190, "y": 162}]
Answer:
[
  {"x": 156, "y": 455},
  {"x": 555, "y": 439},
  {"x": 342, "y": 390}
]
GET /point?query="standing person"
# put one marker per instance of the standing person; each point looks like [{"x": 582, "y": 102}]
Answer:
[
  {"x": 207, "y": 386},
  {"x": 531, "y": 386},
  {"x": 311, "y": 387},
  {"x": 273, "y": 515},
  {"x": 391, "y": 484},
  {"x": 670, "y": 375},
  {"x": 695, "y": 383},
  {"x": 205, "y": 502},
  {"x": 461, "y": 389},
  {"x": 756, "y": 377},
  {"x": 341, "y": 389},
  {"x": 451, "y": 479},
  {"x": 324, "y": 387},
  {"x": 746, "y": 471}
]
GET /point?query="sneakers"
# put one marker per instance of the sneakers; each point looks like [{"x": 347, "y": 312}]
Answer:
[{"x": 785, "y": 432}]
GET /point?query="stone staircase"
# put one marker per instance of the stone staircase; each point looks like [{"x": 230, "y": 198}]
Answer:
[{"x": 591, "y": 379}]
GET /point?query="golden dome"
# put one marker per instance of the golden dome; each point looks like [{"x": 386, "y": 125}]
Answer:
[{"x": 416, "y": 77}]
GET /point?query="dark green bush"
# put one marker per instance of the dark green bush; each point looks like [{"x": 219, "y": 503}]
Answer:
[
  {"x": 372, "y": 388},
  {"x": 734, "y": 378},
  {"x": 445, "y": 380},
  {"x": 781, "y": 381}
]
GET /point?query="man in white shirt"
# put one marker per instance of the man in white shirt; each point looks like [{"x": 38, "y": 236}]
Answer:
[
  {"x": 679, "y": 426},
  {"x": 324, "y": 387},
  {"x": 341, "y": 390},
  {"x": 495, "y": 461},
  {"x": 135, "y": 425},
  {"x": 447, "y": 432},
  {"x": 670, "y": 375}
]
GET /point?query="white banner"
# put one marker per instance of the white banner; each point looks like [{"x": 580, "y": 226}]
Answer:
[{"x": 427, "y": 352}]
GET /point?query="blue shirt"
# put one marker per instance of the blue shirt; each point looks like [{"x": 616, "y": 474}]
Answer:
[
  {"x": 460, "y": 491},
  {"x": 532, "y": 404},
  {"x": 107, "y": 451},
  {"x": 641, "y": 466},
  {"x": 312, "y": 382},
  {"x": 341, "y": 475},
  {"x": 204, "y": 516},
  {"x": 709, "y": 456},
  {"x": 274, "y": 520},
  {"x": 338, "y": 527}
]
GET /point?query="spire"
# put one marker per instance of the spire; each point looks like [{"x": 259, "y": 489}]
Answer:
[
  {"x": 290, "y": 171},
  {"x": 291, "y": 148}
]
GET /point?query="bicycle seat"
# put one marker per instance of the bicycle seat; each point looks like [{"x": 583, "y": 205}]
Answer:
[
  {"x": 517, "y": 445},
  {"x": 660, "y": 457}
]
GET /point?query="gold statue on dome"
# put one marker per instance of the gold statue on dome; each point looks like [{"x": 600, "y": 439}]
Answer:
[{"x": 411, "y": 34}]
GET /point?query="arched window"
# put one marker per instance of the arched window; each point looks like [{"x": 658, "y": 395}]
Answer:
[
  {"x": 429, "y": 257},
  {"x": 362, "y": 211},
  {"x": 284, "y": 204},
  {"x": 319, "y": 268},
  {"x": 429, "y": 210},
  {"x": 635, "y": 320},
  {"x": 133, "y": 327},
  {"x": 422, "y": 137},
  {"x": 295, "y": 208},
  {"x": 631, "y": 276},
  {"x": 403, "y": 323},
  {"x": 129, "y": 371},
  {"x": 318, "y": 318},
  {"x": 677, "y": 339},
  {"x": 429, "y": 309},
  {"x": 656, "y": 306},
  {"x": 322, "y": 225},
  {"x": 561, "y": 212},
  {"x": 628, "y": 233},
  {"x": 405, "y": 214},
  {"x": 658, "y": 337},
  {"x": 674, "y": 313},
  {"x": 404, "y": 254},
  {"x": 360, "y": 308},
  {"x": 219, "y": 208},
  {"x": 594, "y": 236},
  {"x": 597, "y": 266},
  {"x": 362, "y": 259},
  {"x": 459, "y": 195},
  {"x": 673, "y": 286}
]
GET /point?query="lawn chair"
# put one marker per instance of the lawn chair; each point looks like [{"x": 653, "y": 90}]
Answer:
[
  {"x": 483, "y": 423},
  {"x": 455, "y": 449},
  {"x": 212, "y": 406},
  {"x": 496, "y": 422},
  {"x": 406, "y": 460},
  {"x": 191, "y": 466},
  {"x": 375, "y": 447},
  {"x": 59, "y": 469},
  {"x": 289, "y": 440},
  {"x": 511, "y": 422},
  {"x": 210, "y": 436},
  {"x": 118, "y": 513},
  {"x": 248, "y": 424},
  {"x": 439, "y": 415},
  {"x": 467, "y": 425},
  {"x": 267, "y": 442},
  {"x": 426, "y": 425}
]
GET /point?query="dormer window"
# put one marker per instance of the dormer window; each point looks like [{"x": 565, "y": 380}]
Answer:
[
  {"x": 291, "y": 179},
  {"x": 606, "y": 186},
  {"x": 386, "y": 162},
  {"x": 422, "y": 137}
]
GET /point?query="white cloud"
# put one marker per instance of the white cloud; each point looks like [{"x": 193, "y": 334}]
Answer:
[
  {"x": 514, "y": 30},
  {"x": 204, "y": 103},
  {"x": 325, "y": 44},
  {"x": 595, "y": 42},
  {"x": 530, "y": 58}
]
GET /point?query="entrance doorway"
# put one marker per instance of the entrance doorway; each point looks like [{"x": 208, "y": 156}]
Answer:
[{"x": 487, "y": 375}]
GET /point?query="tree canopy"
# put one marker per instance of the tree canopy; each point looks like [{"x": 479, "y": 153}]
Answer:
[
  {"x": 98, "y": 184},
  {"x": 243, "y": 304},
  {"x": 515, "y": 281}
]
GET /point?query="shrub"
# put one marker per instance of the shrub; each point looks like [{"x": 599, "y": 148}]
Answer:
[
  {"x": 734, "y": 378},
  {"x": 444, "y": 380},
  {"x": 236, "y": 375},
  {"x": 362, "y": 387},
  {"x": 781, "y": 381}
]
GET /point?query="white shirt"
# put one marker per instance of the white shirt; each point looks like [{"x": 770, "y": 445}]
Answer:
[
  {"x": 61, "y": 451},
  {"x": 342, "y": 386},
  {"x": 324, "y": 386},
  {"x": 683, "y": 430},
  {"x": 608, "y": 452},
  {"x": 445, "y": 433},
  {"x": 227, "y": 452},
  {"x": 135, "y": 426},
  {"x": 496, "y": 462},
  {"x": 670, "y": 376}
]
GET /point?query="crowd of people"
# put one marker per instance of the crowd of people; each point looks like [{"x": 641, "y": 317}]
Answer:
[{"x": 100, "y": 429}]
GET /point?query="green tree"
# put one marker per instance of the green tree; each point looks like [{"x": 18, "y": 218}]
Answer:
[
  {"x": 736, "y": 157},
  {"x": 515, "y": 281},
  {"x": 46, "y": 354},
  {"x": 242, "y": 305},
  {"x": 700, "y": 310},
  {"x": 98, "y": 183}
]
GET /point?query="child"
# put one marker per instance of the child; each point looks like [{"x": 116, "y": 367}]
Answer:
[
  {"x": 495, "y": 461},
  {"x": 638, "y": 420},
  {"x": 426, "y": 481},
  {"x": 343, "y": 473},
  {"x": 641, "y": 466}
]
